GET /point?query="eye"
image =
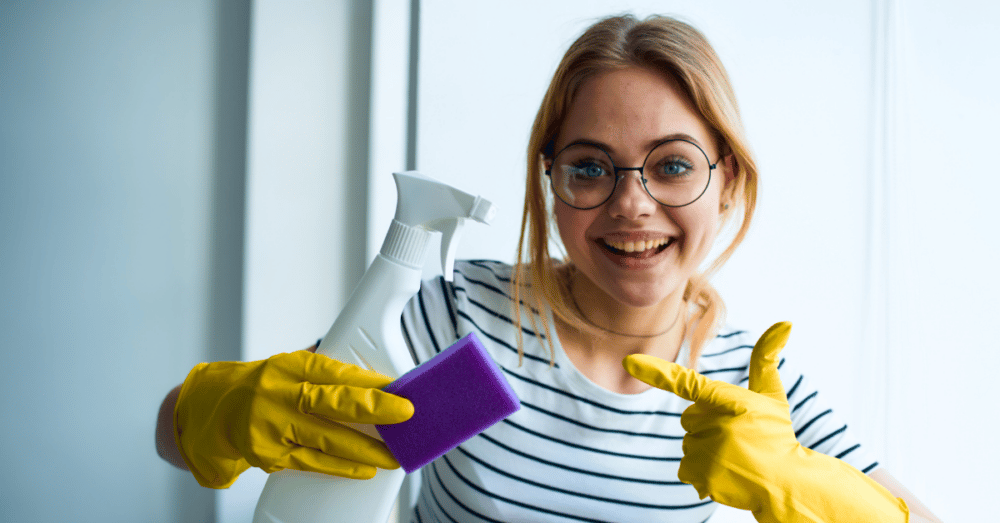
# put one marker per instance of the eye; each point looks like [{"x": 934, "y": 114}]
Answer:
[
  {"x": 674, "y": 168},
  {"x": 583, "y": 165},
  {"x": 585, "y": 170}
]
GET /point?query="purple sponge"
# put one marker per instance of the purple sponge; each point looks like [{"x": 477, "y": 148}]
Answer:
[{"x": 456, "y": 395}]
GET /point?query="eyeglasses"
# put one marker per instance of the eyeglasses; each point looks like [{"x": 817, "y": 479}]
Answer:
[{"x": 675, "y": 173}]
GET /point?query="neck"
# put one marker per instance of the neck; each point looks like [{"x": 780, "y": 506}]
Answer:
[{"x": 656, "y": 329}]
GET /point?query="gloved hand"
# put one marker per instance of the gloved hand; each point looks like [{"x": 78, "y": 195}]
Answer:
[
  {"x": 740, "y": 447},
  {"x": 270, "y": 414}
]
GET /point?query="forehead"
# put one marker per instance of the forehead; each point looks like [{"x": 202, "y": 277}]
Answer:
[{"x": 631, "y": 110}]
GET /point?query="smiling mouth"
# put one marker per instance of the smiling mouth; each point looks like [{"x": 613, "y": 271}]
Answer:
[{"x": 640, "y": 249}]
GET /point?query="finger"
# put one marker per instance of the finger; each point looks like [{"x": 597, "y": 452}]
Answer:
[
  {"x": 668, "y": 376},
  {"x": 764, "y": 377},
  {"x": 343, "y": 442},
  {"x": 689, "y": 474},
  {"x": 692, "y": 468},
  {"x": 699, "y": 417},
  {"x": 328, "y": 371},
  {"x": 312, "y": 460},
  {"x": 354, "y": 404}
]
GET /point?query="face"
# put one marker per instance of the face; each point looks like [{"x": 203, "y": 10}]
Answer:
[{"x": 629, "y": 111}]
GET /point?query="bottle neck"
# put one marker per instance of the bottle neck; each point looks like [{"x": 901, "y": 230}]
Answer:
[{"x": 406, "y": 245}]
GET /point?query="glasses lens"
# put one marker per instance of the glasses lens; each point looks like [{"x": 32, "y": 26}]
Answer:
[
  {"x": 583, "y": 176},
  {"x": 677, "y": 173}
]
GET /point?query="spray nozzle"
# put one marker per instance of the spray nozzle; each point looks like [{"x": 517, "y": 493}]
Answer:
[{"x": 429, "y": 204}]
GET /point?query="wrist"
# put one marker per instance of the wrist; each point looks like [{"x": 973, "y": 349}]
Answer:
[
  {"x": 825, "y": 489},
  {"x": 854, "y": 496}
]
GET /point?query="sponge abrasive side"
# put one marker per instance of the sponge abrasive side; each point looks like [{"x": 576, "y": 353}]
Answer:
[{"x": 456, "y": 395}]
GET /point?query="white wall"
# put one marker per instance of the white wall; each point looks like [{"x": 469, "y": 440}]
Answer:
[
  {"x": 122, "y": 130},
  {"x": 873, "y": 123}
]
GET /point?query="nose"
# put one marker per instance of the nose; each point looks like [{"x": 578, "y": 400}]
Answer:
[{"x": 630, "y": 199}]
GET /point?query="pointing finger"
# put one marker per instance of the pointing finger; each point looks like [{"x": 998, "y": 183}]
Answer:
[{"x": 671, "y": 377}]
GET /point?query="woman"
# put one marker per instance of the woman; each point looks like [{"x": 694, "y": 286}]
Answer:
[{"x": 639, "y": 141}]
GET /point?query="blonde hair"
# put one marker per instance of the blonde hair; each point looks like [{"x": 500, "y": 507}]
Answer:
[{"x": 661, "y": 44}]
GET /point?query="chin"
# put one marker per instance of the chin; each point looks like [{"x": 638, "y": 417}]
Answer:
[{"x": 640, "y": 295}]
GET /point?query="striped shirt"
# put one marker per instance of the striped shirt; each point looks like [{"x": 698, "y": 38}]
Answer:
[{"x": 576, "y": 451}]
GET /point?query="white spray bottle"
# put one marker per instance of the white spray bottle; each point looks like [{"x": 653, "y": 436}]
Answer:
[{"x": 367, "y": 333}]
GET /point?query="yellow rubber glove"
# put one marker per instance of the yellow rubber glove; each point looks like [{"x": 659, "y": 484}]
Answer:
[
  {"x": 740, "y": 447},
  {"x": 270, "y": 414}
]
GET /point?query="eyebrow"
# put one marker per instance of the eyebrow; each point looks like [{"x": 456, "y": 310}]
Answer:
[{"x": 647, "y": 146}]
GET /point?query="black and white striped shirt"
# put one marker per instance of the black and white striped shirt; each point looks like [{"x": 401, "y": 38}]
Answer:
[{"x": 576, "y": 451}]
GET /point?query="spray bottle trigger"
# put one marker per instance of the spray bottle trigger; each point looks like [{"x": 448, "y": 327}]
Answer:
[{"x": 451, "y": 231}]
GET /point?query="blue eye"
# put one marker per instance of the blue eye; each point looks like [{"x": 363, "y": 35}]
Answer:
[
  {"x": 587, "y": 170},
  {"x": 675, "y": 168}
]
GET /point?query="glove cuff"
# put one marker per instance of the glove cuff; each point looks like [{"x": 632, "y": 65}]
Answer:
[{"x": 832, "y": 491}]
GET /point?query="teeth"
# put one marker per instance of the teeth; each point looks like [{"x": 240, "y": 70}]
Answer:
[{"x": 637, "y": 246}]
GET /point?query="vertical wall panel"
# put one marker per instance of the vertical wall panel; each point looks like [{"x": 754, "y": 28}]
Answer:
[
  {"x": 307, "y": 177},
  {"x": 941, "y": 409},
  {"x": 390, "y": 89}
]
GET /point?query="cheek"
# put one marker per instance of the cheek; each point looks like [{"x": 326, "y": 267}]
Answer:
[
  {"x": 572, "y": 225},
  {"x": 700, "y": 226},
  {"x": 702, "y": 218}
]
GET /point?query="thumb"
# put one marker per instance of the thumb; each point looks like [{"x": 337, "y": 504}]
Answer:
[
  {"x": 764, "y": 377},
  {"x": 671, "y": 377}
]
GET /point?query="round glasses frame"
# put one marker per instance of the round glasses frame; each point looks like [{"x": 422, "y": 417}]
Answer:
[{"x": 618, "y": 177}]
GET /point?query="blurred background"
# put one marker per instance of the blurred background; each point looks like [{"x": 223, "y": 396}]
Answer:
[{"x": 193, "y": 181}]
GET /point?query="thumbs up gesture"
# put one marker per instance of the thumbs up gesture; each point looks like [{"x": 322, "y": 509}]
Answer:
[{"x": 740, "y": 446}]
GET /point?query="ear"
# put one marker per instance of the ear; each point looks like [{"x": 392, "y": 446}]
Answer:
[
  {"x": 729, "y": 167},
  {"x": 546, "y": 163}
]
